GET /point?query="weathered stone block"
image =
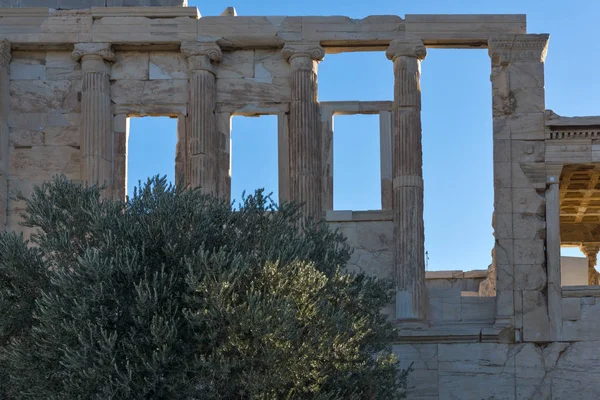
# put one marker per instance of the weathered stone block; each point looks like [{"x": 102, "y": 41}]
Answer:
[
  {"x": 269, "y": 64},
  {"x": 503, "y": 225},
  {"x": 528, "y": 226},
  {"x": 502, "y": 151},
  {"x": 586, "y": 328},
  {"x": 26, "y": 138},
  {"x": 478, "y": 308},
  {"x": 529, "y": 251},
  {"x": 576, "y": 370},
  {"x": 43, "y": 96},
  {"x": 62, "y": 136},
  {"x": 526, "y": 74},
  {"x": 174, "y": 91},
  {"x": 252, "y": 91},
  {"x": 20, "y": 70},
  {"x": 534, "y": 174},
  {"x": 78, "y": 4},
  {"x": 444, "y": 304},
  {"x": 530, "y": 372},
  {"x": 520, "y": 126},
  {"x": 236, "y": 64},
  {"x": 144, "y": 30},
  {"x": 168, "y": 66},
  {"x": 422, "y": 382},
  {"x": 38, "y": 121},
  {"x": 573, "y": 151},
  {"x": 571, "y": 309},
  {"x": 60, "y": 65},
  {"x": 505, "y": 303},
  {"x": 502, "y": 175},
  {"x": 475, "y": 371},
  {"x": 529, "y": 277},
  {"x": 502, "y": 200},
  {"x": 130, "y": 65},
  {"x": 146, "y": 3},
  {"x": 535, "y": 317},
  {"x": 528, "y": 99},
  {"x": 42, "y": 163},
  {"x": 75, "y": 4},
  {"x": 527, "y": 151},
  {"x": 528, "y": 201}
]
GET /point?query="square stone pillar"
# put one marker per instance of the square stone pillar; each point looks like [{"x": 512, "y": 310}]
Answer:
[
  {"x": 207, "y": 149},
  {"x": 407, "y": 184},
  {"x": 520, "y": 183},
  {"x": 4, "y": 110},
  {"x": 305, "y": 154},
  {"x": 96, "y": 115}
]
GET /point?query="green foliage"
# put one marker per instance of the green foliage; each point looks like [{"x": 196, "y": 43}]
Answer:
[{"x": 172, "y": 295}]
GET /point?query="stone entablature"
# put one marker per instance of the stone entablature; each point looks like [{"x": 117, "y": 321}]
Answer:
[{"x": 70, "y": 79}]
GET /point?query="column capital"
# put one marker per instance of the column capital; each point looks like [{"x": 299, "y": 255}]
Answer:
[
  {"x": 590, "y": 249},
  {"x": 5, "y": 55},
  {"x": 520, "y": 47},
  {"x": 201, "y": 55},
  {"x": 414, "y": 48},
  {"x": 99, "y": 51},
  {"x": 314, "y": 51}
]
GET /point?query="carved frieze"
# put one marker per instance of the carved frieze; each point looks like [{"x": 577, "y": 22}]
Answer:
[{"x": 519, "y": 48}]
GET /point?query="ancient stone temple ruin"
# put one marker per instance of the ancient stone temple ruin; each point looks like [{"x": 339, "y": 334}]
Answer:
[{"x": 73, "y": 72}]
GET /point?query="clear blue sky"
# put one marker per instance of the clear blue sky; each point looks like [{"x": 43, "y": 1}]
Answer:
[{"x": 457, "y": 122}]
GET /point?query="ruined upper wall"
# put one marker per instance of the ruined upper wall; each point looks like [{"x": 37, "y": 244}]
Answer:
[{"x": 78, "y": 4}]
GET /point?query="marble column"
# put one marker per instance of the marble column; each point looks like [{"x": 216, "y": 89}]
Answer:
[
  {"x": 96, "y": 114},
  {"x": 205, "y": 146},
  {"x": 304, "y": 128},
  {"x": 591, "y": 253},
  {"x": 409, "y": 255},
  {"x": 4, "y": 109}
]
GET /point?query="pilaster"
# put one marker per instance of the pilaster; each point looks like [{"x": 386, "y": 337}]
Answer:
[
  {"x": 205, "y": 146},
  {"x": 305, "y": 143},
  {"x": 407, "y": 186},
  {"x": 5, "y": 56},
  {"x": 518, "y": 102},
  {"x": 97, "y": 142}
]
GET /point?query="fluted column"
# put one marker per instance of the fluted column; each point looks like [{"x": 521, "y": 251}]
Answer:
[
  {"x": 409, "y": 256},
  {"x": 205, "y": 148},
  {"x": 96, "y": 114},
  {"x": 591, "y": 253},
  {"x": 4, "y": 109},
  {"x": 305, "y": 130}
]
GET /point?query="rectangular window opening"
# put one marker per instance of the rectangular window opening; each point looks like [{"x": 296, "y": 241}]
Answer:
[
  {"x": 342, "y": 77},
  {"x": 150, "y": 150},
  {"x": 356, "y": 163},
  {"x": 579, "y": 224},
  {"x": 254, "y": 157},
  {"x": 457, "y": 160}
]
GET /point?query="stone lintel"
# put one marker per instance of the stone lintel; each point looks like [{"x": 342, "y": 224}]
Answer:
[
  {"x": 355, "y": 107},
  {"x": 25, "y": 12},
  {"x": 149, "y": 12},
  {"x": 518, "y": 48},
  {"x": 409, "y": 47}
]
